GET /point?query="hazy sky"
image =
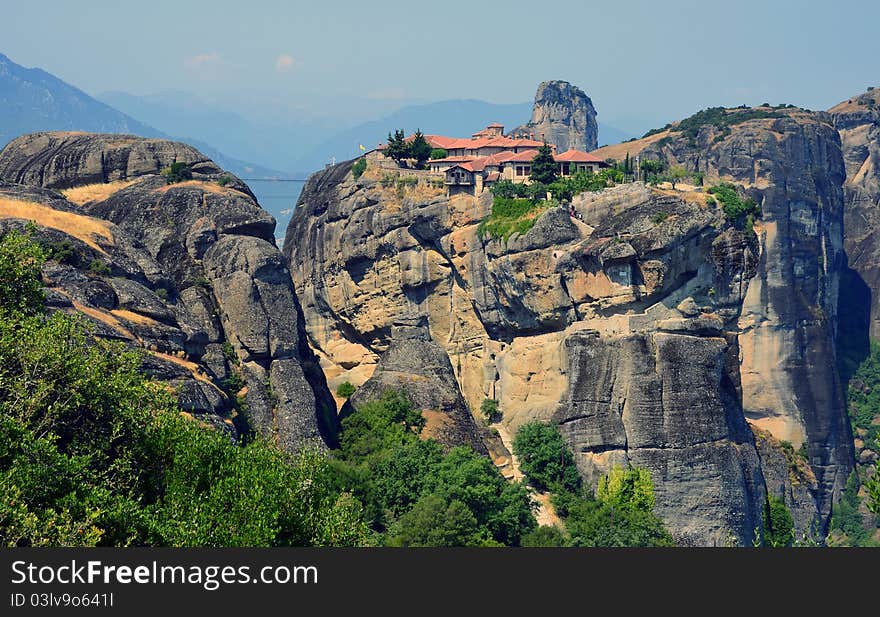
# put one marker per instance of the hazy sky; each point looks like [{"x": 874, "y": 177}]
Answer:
[{"x": 641, "y": 61}]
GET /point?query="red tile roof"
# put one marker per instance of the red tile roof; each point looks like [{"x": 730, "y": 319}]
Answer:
[
  {"x": 495, "y": 125},
  {"x": 577, "y": 156},
  {"x": 492, "y": 176}
]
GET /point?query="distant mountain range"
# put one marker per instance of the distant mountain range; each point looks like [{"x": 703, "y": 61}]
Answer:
[{"x": 33, "y": 100}]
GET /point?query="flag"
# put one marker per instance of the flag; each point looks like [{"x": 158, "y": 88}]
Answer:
[{"x": 361, "y": 146}]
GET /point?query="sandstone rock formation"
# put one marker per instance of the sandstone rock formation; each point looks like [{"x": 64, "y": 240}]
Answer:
[
  {"x": 791, "y": 164},
  {"x": 858, "y": 121},
  {"x": 188, "y": 271},
  {"x": 648, "y": 327},
  {"x": 563, "y": 116},
  {"x": 419, "y": 367}
]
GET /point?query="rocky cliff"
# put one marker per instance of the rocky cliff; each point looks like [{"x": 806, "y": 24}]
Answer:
[
  {"x": 858, "y": 121},
  {"x": 790, "y": 162},
  {"x": 647, "y": 326},
  {"x": 189, "y": 271},
  {"x": 564, "y": 116}
]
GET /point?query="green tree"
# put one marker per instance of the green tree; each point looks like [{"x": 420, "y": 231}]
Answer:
[
  {"x": 873, "y": 488},
  {"x": 383, "y": 462},
  {"x": 435, "y": 522},
  {"x": 545, "y": 170},
  {"x": 619, "y": 520},
  {"x": 629, "y": 488},
  {"x": 345, "y": 389},
  {"x": 358, "y": 168},
  {"x": 778, "y": 523},
  {"x": 544, "y": 536},
  {"x": 419, "y": 149},
  {"x": 21, "y": 289},
  {"x": 438, "y": 153},
  {"x": 677, "y": 173},
  {"x": 650, "y": 167},
  {"x": 544, "y": 457},
  {"x": 397, "y": 148},
  {"x": 489, "y": 409},
  {"x": 177, "y": 172}
]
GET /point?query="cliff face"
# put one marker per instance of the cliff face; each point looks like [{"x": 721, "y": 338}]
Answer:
[
  {"x": 858, "y": 121},
  {"x": 563, "y": 115},
  {"x": 647, "y": 327},
  {"x": 188, "y": 271},
  {"x": 791, "y": 164}
]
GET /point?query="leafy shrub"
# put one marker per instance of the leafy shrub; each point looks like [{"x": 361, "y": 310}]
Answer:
[
  {"x": 229, "y": 353},
  {"x": 224, "y": 180},
  {"x": 413, "y": 493},
  {"x": 736, "y": 209},
  {"x": 162, "y": 293},
  {"x": 489, "y": 409},
  {"x": 62, "y": 252},
  {"x": 621, "y": 516},
  {"x": 544, "y": 457},
  {"x": 177, "y": 172},
  {"x": 544, "y": 536},
  {"x": 718, "y": 117},
  {"x": 98, "y": 267},
  {"x": 507, "y": 189},
  {"x": 629, "y": 487},
  {"x": 863, "y": 396},
  {"x": 846, "y": 518},
  {"x": 659, "y": 217},
  {"x": 438, "y": 153},
  {"x": 21, "y": 288},
  {"x": 345, "y": 389},
  {"x": 509, "y": 216},
  {"x": 778, "y": 523},
  {"x": 359, "y": 167}
]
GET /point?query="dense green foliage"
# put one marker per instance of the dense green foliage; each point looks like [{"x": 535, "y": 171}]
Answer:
[
  {"x": 778, "y": 523},
  {"x": 621, "y": 514},
  {"x": 582, "y": 181},
  {"x": 544, "y": 536},
  {"x": 438, "y": 153},
  {"x": 92, "y": 453},
  {"x": 21, "y": 291},
  {"x": 863, "y": 396},
  {"x": 629, "y": 487},
  {"x": 677, "y": 173},
  {"x": 545, "y": 170},
  {"x": 399, "y": 148},
  {"x": 177, "y": 172},
  {"x": 489, "y": 409},
  {"x": 594, "y": 522},
  {"x": 359, "y": 167},
  {"x": 544, "y": 458},
  {"x": 345, "y": 389},
  {"x": 414, "y": 494},
  {"x": 510, "y": 215},
  {"x": 739, "y": 211},
  {"x": 419, "y": 149},
  {"x": 846, "y": 518},
  {"x": 718, "y": 117}
]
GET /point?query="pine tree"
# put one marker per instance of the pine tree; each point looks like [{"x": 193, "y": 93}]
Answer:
[
  {"x": 419, "y": 149},
  {"x": 397, "y": 148},
  {"x": 544, "y": 168}
]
